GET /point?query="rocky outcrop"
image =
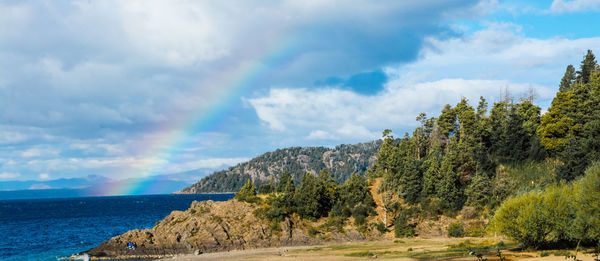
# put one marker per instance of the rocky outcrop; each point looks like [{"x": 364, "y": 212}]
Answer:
[{"x": 209, "y": 226}]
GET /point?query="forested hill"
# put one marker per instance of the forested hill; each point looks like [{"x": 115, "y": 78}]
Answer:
[{"x": 340, "y": 161}]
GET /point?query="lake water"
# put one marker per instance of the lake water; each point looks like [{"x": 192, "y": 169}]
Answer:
[{"x": 51, "y": 229}]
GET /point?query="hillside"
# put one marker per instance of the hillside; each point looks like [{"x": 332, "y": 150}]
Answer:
[{"x": 341, "y": 162}]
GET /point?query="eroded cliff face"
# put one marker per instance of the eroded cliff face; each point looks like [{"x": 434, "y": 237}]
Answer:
[{"x": 212, "y": 227}]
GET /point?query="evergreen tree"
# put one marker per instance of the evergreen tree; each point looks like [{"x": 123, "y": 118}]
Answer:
[
  {"x": 446, "y": 123},
  {"x": 556, "y": 124},
  {"x": 312, "y": 199},
  {"x": 449, "y": 190},
  {"x": 247, "y": 193},
  {"x": 482, "y": 108},
  {"x": 421, "y": 135},
  {"x": 284, "y": 179},
  {"x": 478, "y": 193},
  {"x": 411, "y": 181},
  {"x": 432, "y": 175},
  {"x": 567, "y": 80},
  {"x": 587, "y": 68},
  {"x": 574, "y": 161}
]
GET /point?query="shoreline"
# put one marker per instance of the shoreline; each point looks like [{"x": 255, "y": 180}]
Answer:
[{"x": 439, "y": 248}]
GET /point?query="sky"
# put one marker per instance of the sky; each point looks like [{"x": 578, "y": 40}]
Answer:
[{"x": 129, "y": 89}]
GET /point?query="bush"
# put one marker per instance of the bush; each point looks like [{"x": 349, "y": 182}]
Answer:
[
  {"x": 265, "y": 189},
  {"x": 334, "y": 222},
  {"x": 562, "y": 214},
  {"x": 312, "y": 231},
  {"x": 247, "y": 193},
  {"x": 456, "y": 230},
  {"x": 476, "y": 229},
  {"x": 402, "y": 228},
  {"x": 380, "y": 226},
  {"x": 360, "y": 220},
  {"x": 469, "y": 213}
]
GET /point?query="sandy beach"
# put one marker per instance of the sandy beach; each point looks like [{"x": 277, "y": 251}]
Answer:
[{"x": 409, "y": 249}]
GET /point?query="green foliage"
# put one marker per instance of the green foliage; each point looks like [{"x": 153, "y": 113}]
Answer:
[
  {"x": 354, "y": 200},
  {"x": 334, "y": 224},
  {"x": 479, "y": 192},
  {"x": 247, "y": 193},
  {"x": 265, "y": 189},
  {"x": 295, "y": 161},
  {"x": 574, "y": 161},
  {"x": 381, "y": 227},
  {"x": 315, "y": 196},
  {"x": 587, "y": 68},
  {"x": 568, "y": 79},
  {"x": 456, "y": 229},
  {"x": 587, "y": 213},
  {"x": 402, "y": 228},
  {"x": 561, "y": 214},
  {"x": 312, "y": 231}
]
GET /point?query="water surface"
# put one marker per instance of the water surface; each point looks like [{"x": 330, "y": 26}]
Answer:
[{"x": 49, "y": 229}]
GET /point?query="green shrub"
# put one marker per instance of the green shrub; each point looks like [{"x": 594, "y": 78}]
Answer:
[
  {"x": 247, "y": 193},
  {"x": 312, "y": 231},
  {"x": 332, "y": 223},
  {"x": 380, "y": 226},
  {"x": 475, "y": 231},
  {"x": 456, "y": 230},
  {"x": 402, "y": 228},
  {"x": 360, "y": 220},
  {"x": 561, "y": 214},
  {"x": 361, "y": 254}
]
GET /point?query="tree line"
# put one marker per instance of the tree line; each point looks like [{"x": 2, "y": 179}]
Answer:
[
  {"x": 315, "y": 197},
  {"x": 461, "y": 158}
]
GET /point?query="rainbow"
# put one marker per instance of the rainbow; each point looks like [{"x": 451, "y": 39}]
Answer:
[{"x": 231, "y": 85}]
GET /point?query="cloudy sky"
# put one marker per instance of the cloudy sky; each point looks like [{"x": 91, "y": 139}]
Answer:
[{"x": 135, "y": 88}]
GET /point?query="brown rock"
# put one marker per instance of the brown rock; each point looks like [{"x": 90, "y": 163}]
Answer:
[{"x": 211, "y": 227}]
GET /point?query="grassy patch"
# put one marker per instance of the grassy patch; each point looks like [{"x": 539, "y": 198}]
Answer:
[
  {"x": 361, "y": 254},
  {"x": 555, "y": 253}
]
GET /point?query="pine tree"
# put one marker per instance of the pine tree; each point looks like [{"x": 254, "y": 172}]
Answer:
[
  {"x": 482, "y": 108},
  {"x": 587, "y": 68},
  {"x": 574, "y": 161},
  {"x": 411, "y": 181},
  {"x": 312, "y": 199},
  {"x": 432, "y": 175},
  {"x": 284, "y": 179},
  {"x": 247, "y": 193},
  {"x": 446, "y": 123},
  {"x": 567, "y": 80},
  {"x": 478, "y": 193}
]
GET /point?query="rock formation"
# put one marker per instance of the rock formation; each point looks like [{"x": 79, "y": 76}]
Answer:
[{"x": 209, "y": 226}]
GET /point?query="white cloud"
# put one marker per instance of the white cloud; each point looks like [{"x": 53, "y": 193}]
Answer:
[
  {"x": 37, "y": 152},
  {"x": 499, "y": 52},
  {"x": 321, "y": 135},
  {"x": 484, "y": 63},
  {"x": 11, "y": 137},
  {"x": 9, "y": 175},
  {"x": 335, "y": 114},
  {"x": 566, "y": 6},
  {"x": 44, "y": 176}
]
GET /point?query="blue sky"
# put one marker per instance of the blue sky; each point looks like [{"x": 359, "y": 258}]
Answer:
[{"x": 128, "y": 89}]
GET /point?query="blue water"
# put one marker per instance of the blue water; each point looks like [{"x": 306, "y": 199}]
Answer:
[{"x": 48, "y": 229}]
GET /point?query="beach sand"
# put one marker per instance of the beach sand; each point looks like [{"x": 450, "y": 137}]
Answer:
[{"x": 406, "y": 249}]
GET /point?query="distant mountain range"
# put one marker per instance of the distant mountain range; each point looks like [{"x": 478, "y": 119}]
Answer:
[
  {"x": 94, "y": 185},
  {"x": 341, "y": 162}
]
